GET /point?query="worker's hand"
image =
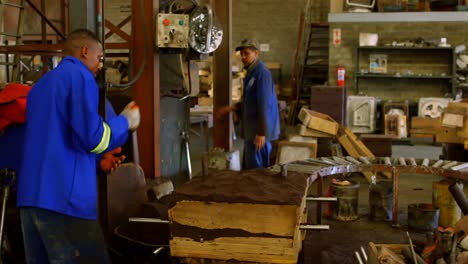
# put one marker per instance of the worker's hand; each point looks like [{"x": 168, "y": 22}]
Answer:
[
  {"x": 259, "y": 142},
  {"x": 132, "y": 113},
  {"x": 110, "y": 161},
  {"x": 223, "y": 111}
]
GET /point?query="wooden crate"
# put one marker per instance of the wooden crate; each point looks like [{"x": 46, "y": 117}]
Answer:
[
  {"x": 269, "y": 232},
  {"x": 318, "y": 121}
]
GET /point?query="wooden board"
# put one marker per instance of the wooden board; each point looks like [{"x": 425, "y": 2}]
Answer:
[
  {"x": 318, "y": 121},
  {"x": 308, "y": 132},
  {"x": 422, "y": 135},
  {"x": 362, "y": 149},
  {"x": 425, "y": 122},
  {"x": 452, "y": 120},
  {"x": 277, "y": 220},
  {"x": 247, "y": 249},
  {"x": 427, "y": 131},
  {"x": 348, "y": 146},
  {"x": 448, "y": 135},
  {"x": 253, "y": 249}
]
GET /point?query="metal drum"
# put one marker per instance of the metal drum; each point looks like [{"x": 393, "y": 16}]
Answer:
[{"x": 346, "y": 208}]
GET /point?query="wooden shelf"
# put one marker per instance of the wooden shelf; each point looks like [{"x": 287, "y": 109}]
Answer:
[
  {"x": 392, "y": 76},
  {"x": 392, "y": 17}
]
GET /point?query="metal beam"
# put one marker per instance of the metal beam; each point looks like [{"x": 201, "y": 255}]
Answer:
[
  {"x": 222, "y": 78},
  {"x": 44, "y": 18},
  {"x": 146, "y": 90}
]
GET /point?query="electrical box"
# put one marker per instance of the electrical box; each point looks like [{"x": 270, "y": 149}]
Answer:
[{"x": 173, "y": 31}]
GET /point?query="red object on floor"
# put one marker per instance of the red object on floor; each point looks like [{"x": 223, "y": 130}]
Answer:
[{"x": 13, "y": 105}]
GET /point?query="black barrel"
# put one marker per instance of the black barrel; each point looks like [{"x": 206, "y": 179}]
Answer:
[{"x": 346, "y": 208}]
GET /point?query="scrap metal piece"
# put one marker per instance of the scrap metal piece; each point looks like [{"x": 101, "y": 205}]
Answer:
[
  {"x": 284, "y": 170},
  {"x": 147, "y": 220},
  {"x": 314, "y": 227},
  {"x": 322, "y": 199}
]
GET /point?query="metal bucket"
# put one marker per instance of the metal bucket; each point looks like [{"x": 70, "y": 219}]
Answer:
[
  {"x": 346, "y": 208},
  {"x": 381, "y": 200},
  {"x": 423, "y": 217}
]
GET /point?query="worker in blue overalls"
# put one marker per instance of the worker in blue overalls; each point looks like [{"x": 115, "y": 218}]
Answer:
[
  {"x": 57, "y": 192},
  {"x": 258, "y": 109}
]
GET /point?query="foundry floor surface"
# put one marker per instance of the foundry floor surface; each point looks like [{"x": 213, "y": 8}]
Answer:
[{"x": 338, "y": 244}]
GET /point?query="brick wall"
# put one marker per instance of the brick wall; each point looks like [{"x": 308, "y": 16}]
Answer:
[
  {"x": 345, "y": 54},
  {"x": 276, "y": 23}
]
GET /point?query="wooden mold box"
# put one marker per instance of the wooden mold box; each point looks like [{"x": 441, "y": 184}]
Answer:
[
  {"x": 318, "y": 121},
  {"x": 248, "y": 216}
]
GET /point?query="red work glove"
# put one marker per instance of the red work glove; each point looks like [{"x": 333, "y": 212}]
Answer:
[{"x": 109, "y": 161}]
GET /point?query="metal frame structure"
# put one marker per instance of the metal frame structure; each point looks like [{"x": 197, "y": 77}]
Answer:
[{"x": 319, "y": 168}]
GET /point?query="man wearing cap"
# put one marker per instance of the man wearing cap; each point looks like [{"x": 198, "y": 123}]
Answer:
[{"x": 258, "y": 108}]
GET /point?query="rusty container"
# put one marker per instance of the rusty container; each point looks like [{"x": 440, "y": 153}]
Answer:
[
  {"x": 346, "y": 208},
  {"x": 450, "y": 212},
  {"x": 381, "y": 200},
  {"x": 423, "y": 217}
]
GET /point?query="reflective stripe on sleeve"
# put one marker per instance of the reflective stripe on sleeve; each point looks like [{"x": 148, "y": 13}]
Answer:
[{"x": 102, "y": 146}]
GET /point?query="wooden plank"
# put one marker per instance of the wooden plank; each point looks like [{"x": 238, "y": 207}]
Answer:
[
  {"x": 422, "y": 135},
  {"x": 362, "y": 149},
  {"x": 277, "y": 220},
  {"x": 349, "y": 133},
  {"x": 427, "y": 131},
  {"x": 254, "y": 249},
  {"x": 425, "y": 122},
  {"x": 448, "y": 135},
  {"x": 452, "y": 120},
  {"x": 318, "y": 121},
  {"x": 348, "y": 146},
  {"x": 308, "y": 132}
]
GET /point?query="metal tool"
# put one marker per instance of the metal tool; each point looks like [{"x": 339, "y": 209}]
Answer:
[
  {"x": 7, "y": 179},
  {"x": 413, "y": 254},
  {"x": 284, "y": 170},
  {"x": 185, "y": 138},
  {"x": 147, "y": 220}
]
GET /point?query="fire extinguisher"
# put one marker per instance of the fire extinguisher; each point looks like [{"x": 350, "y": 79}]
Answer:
[{"x": 340, "y": 72}]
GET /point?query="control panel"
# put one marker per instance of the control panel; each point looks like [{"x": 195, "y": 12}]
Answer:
[{"x": 173, "y": 31}]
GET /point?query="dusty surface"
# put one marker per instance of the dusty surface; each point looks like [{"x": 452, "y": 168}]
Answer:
[{"x": 254, "y": 186}]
